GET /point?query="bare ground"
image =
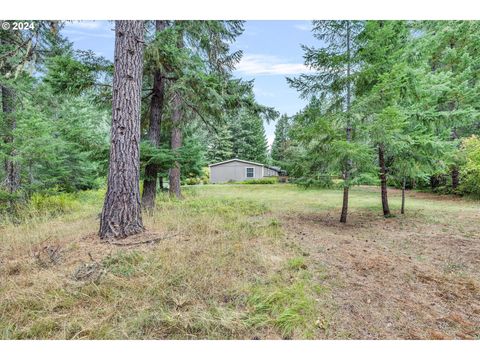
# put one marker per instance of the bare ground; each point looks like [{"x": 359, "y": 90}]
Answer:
[{"x": 396, "y": 278}]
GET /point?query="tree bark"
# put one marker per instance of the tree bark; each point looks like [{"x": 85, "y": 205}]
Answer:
[
  {"x": 176, "y": 143},
  {"x": 383, "y": 179},
  {"x": 176, "y": 137},
  {"x": 455, "y": 177},
  {"x": 434, "y": 182},
  {"x": 153, "y": 135},
  {"x": 343, "y": 217},
  {"x": 455, "y": 172},
  {"x": 348, "y": 130},
  {"x": 12, "y": 169},
  {"x": 121, "y": 215},
  {"x": 403, "y": 196}
]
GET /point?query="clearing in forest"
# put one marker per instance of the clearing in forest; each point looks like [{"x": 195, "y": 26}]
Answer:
[{"x": 248, "y": 262}]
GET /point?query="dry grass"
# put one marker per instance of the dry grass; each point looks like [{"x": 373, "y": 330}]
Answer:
[{"x": 248, "y": 261}]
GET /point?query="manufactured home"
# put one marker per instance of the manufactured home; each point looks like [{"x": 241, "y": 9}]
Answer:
[{"x": 240, "y": 170}]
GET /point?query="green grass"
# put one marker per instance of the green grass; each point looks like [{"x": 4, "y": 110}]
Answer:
[
  {"x": 287, "y": 308},
  {"x": 289, "y": 197},
  {"x": 285, "y": 302},
  {"x": 297, "y": 263},
  {"x": 123, "y": 263},
  {"x": 231, "y": 271}
]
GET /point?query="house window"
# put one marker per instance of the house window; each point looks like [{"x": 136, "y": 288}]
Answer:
[{"x": 250, "y": 172}]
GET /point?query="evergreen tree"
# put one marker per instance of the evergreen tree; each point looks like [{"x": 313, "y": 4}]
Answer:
[
  {"x": 18, "y": 62},
  {"x": 196, "y": 60},
  {"x": 121, "y": 214},
  {"x": 452, "y": 52},
  {"x": 220, "y": 147},
  {"x": 335, "y": 65},
  {"x": 249, "y": 141},
  {"x": 318, "y": 144},
  {"x": 156, "y": 110},
  {"x": 281, "y": 141},
  {"x": 382, "y": 43}
]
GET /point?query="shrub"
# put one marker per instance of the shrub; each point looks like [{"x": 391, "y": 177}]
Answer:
[
  {"x": 470, "y": 172},
  {"x": 204, "y": 178},
  {"x": 366, "y": 179},
  {"x": 46, "y": 204},
  {"x": 193, "y": 181},
  {"x": 266, "y": 180},
  {"x": 7, "y": 199},
  {"x": 321, "y": 182}
]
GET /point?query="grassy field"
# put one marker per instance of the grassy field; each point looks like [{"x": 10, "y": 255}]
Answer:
[{"x": 248, "y": 262}]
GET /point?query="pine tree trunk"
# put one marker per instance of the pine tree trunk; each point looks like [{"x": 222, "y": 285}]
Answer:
[
  {"x": 455, "y": 178},
  {"x": 383, "y": 179},
  {"x": 455, "y": 172},
  {"x": 121, "y": 214},
  {"x": 433, "y": 182},
  {"x": 346, "y": 187},
  {"x": 176, "y": 143},
  {"x": 348, "y": 130},
  {"x": 403, "y": 196},
  {"x": 343, "y": 217},
  {"x": 153, "y": 135},
  {"x": 12, "y": 169},
  {"x": 176, "y": 137}
]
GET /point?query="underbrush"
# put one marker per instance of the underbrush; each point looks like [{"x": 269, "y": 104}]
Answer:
[
  {"x": 329, "y": 182},
  {"x": 322, "y": 182},
  {"x": 46, "y": 205},
  {"x": 260, "y": 181}
]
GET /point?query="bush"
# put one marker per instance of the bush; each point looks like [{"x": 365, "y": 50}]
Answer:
[
  {"x": 53, "y": 204},
  {"x": 193, "y": 181},
  {"x": 470, "y": 172},
  {"x": 204, "y": 178},
  {"x": 321, "y": 182},
  {"x": 265, "y": 180},
  {"x": 366, "y": 179},
  {"x": 10, "y": 204}
]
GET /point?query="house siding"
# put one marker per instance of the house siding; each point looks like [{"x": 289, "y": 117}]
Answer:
[
  {"x": 270, "y": 172},
  {"x": 234, "y": 171}
]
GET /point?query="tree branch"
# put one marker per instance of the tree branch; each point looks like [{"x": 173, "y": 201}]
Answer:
[{"x": 195, "y": 110}]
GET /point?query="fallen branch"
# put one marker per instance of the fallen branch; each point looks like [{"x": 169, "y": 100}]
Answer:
[{"x": 149, "y": 241}]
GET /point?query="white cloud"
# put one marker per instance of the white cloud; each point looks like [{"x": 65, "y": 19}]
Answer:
[
  {"x": 86, "y": 25},
  {"x": 84, "y": 34},
  {"x": 260, "y": 64},
  {"x": 303, "y": 27},
  {"x": 260, "y": 92}
]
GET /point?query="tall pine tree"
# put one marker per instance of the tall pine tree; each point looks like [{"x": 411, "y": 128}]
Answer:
[
  {"x": 121, "y": 214},
  {"x": 281, "y": 141},
  {"x": 335, "y": 66}
]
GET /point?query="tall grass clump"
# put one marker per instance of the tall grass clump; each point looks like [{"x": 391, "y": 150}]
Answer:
[{"x": 286, "y": 302}]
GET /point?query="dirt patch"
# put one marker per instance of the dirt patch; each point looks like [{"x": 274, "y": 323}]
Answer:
[{"x": 390, "y": 282}]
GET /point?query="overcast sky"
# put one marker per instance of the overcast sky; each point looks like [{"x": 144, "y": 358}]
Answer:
[{"x": 271, "y": 52}]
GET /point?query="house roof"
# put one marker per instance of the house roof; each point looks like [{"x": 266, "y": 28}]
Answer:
[
  {"x": 244, "y": 161},
  {"x": 276, "y": 168}
]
